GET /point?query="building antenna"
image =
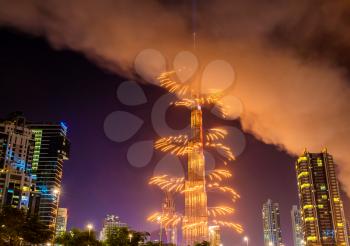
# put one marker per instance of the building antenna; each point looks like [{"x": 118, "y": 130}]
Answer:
[{"x": 194, "y": 22}]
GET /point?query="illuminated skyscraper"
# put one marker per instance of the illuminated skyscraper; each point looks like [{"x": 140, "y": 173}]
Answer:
[
  {"x": 195, "y": 227},
  {"x": 31, "y": 160},
  {"x": 17, "y": 188},
  {"x": 51, "y": 149},
  {"x": 321, "y": 205},
  {"x": 110, "y": 222},
  {"x": 61, "y": 221},
  {"x": 297, "y": 226},
  {"x": 271, "y": 224}
]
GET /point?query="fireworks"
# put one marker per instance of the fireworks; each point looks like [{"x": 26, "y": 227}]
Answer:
[
  {"x": 219, "y": 174},
  {"x": 165, "y": 183},
  {"x": 218, "y": 211},
  {"x": 198, "y": 216},
  {"x": 237, "y": 227}
]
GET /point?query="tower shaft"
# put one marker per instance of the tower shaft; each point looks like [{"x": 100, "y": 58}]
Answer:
[{"x": 196, "y": 211}]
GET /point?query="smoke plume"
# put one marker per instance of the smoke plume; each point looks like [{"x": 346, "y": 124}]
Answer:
[{"x": 292, "y": 58}]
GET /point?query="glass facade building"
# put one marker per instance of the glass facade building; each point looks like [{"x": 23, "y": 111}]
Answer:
[
  {"x": 297, "y": 226},
  {"x": 271, "y": 224}
]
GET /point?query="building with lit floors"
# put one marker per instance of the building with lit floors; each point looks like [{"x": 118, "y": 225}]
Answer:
[
  {"x": 31, "y": 160},
  {"x": 51, "y": 149},
  {"x": 214, "y": 236},
  {"x": 271, "y": 224},
  {"x": 109, "y": 224},
  {"x": 17, "y": 188},
  {"x": 297, "y": 226},
  {"x": 320, "y": 202},
  {"x": 61, "y": 221}
]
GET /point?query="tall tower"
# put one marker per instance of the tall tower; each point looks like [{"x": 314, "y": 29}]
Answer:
[
  {"x": 319, "y": 196},
  {"x": 297, "y": 224},
  {"x": 271, "y": 224},
  {"x": 195, "y": 227},
  {"x": 51, "y": 149}
]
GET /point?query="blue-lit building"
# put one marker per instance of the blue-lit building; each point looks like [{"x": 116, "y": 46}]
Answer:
[
  {"x": 31, "y": 164},
  {"x": 51, "y": 149},
  {"x": 17, "y": 188}
]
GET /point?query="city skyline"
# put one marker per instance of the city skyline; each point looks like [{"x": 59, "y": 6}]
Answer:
[
  {"x": 245, "y": 164},
  {"x": 92, "y": 68}
]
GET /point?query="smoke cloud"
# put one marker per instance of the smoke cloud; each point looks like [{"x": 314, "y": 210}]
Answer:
[{"x": 292, "y": 58}]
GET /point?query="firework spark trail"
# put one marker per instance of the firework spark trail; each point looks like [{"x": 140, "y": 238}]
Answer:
[
  {"x": 220, "y": 211},
  {"x": 165, "y": 183},
  {"x": 171, "y": 85},
  {"x": 219, "y": 174},
  {"x": 225, "y": 189},
  {"x": 237, "y": 227}
]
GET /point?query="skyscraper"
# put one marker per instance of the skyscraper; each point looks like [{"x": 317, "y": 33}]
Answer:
[
  {"x": 31, "y": 160},
  {"x": 61, "y": 221},
  {"x": 110, "y": 222},
  {"x": 319, "y": 196},
  {"x": 271, "y": 224},
  {"x": 195, "y": 227},
  {"x": 51, "y": 148},
  {"x": 297, "y": 226},
  {"x": 17, "y": 188}
]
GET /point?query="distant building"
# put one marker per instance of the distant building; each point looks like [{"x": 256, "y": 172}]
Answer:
[
  {"x": 271, "y": 224},
  {"x": 319, "y": 196},
  {"x": 61, "y": 221},
  {"x": 110, "y": 222},
  {"x": 214, "y": 235},
  {"x": 297, "y": 226}
]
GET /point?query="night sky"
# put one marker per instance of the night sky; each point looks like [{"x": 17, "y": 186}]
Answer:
[{"x": 51, "y": 85}]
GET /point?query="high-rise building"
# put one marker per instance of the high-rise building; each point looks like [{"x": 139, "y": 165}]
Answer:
[
  {"x": 320, "y": 202},
  {"x": 297, "y": 226},
  {"x": 109, "y": 224},
  {"x": 51, "y": 149},
  {"x": 195, "y": 227},
  {"x": 17, "y": 188},
  {"x": 61, "y": 221},
  {"x": 31, "y": 159},
  {"x": 168, "y": 208},
  {"x": 214, "y": 235},
  {"x": 271, "y": 224}
]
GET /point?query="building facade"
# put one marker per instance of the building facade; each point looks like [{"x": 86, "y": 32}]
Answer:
[
  {"x": 214, "y": 236},
  {"x": 271, "y": 224},
  {"x": 61, "y": 221},
  {"x": 109, "y": 224},
  {"x": 51, "y": 149},
  {"x": 297, "y": 226},
  {"x": 31, "y": 160},
  {"x": 320, "y": 202}
]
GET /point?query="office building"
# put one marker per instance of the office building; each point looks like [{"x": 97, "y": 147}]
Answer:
[
  {"x": 320, "y": 202},
  {"x": 109, "y": 224},
  {"x": 297, "y": 227},
  {"x": 51, "y": 149},
  {"x": 31, "y": 159},
  {"x": 61, "y": 221},
  {"x": 271, "y": 224}
]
